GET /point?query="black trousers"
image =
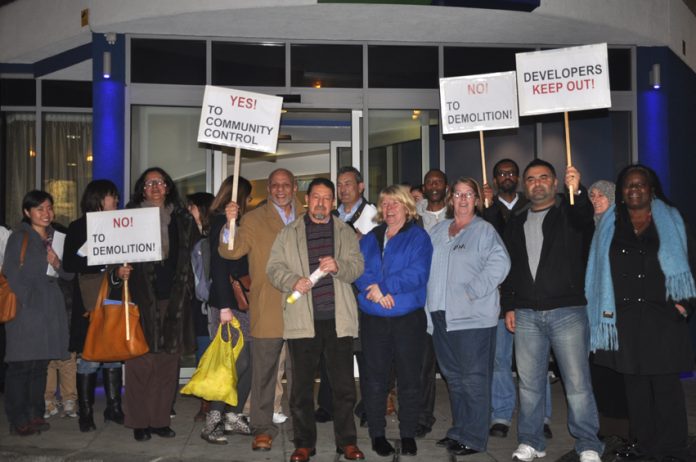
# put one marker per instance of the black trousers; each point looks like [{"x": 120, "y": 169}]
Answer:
[
  {"x": 397, "y": 341},
  {"x": 426, "y": 417},
  {"x": 657, "y": 414},
  {"x": 338, "y": 355},
  {"x": 25, "y": 385}
]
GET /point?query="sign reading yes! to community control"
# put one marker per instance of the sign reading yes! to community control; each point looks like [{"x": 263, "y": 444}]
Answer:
[
  {"x": 563, "y": 80},
  {"x": 478, "y": 102},
  {"x": 240, "y": 119},
  {"x": 124, "y": 236}
]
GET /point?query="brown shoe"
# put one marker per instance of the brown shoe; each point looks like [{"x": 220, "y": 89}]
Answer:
[
  {"x": 302, "y": 454},
  {"x": 23, "y": 430},
  {"x": 262, "y": 442},
  {"x": 351, "y": 452},
  {"x": 202, "y": 411}
]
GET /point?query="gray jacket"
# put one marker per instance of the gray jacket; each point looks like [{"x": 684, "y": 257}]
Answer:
[
  {"x": 289, "y": 262},
  {"x": 40, "y": 330}
]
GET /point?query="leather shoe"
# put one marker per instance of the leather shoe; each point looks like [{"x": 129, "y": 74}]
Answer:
[
  {"x": 445, "y": 442},
  {"x": 351, "y": 452},
  {"x": 547, "y": 432},
  {"x": 302, "y": 454},
  {"x": 631, "y": 451},
  {"x": 382, "y": 447},
  {"x": 321, "y": 415},
  {"x": 23, "y": 430},
  {"x": 408, "y": 447},
  {"x": 141, "y": 434},
  {"x": 164, "y": 432},
  {"x": 499, "y": 429},
  {"x": 459, "y": 449},
  {"x": 262, "y": 442},
  {"x": 422, "y": 430}
]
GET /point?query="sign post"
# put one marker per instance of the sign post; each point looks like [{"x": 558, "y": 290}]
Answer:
[
  {"x": 241, "y": 120},
  {"x": 477, "y": 103},
  {"x": 563, "y": 80}
]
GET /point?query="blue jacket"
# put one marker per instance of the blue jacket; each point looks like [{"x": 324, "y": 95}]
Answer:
[{"x": 402, "y": 271}]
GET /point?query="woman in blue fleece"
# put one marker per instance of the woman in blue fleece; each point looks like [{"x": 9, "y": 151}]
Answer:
[
  {"x": 469, "y": 263},
  {"x": 392, "y": 320}
]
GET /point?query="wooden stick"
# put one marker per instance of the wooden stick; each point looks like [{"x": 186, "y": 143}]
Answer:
[
  {"x": 126, "y": 303},
  {"x": 235, "y": 187},
  {"x": 483, "y": 163},
  {"x": 569, "y": 161}
]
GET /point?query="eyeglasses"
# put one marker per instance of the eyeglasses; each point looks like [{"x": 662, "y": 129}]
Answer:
[
  {"x": 154, "y": 183},
  {"x": 467, "y": 195},
  {"x": 506, "y": 174}
]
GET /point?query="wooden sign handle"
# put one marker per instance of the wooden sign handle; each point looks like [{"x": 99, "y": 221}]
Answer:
[
  {"x": 235, "y": 187},
  {"x": 126, "y": 303},
  {"x": 483, "y": 163},
  {"x": 569, "y": 161}
]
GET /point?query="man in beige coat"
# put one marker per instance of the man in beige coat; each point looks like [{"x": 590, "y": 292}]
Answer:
[
  {"x": 254, "y": 238},
  {"x": 324, "y": 319}
]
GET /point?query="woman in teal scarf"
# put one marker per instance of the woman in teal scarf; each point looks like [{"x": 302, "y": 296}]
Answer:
[{"x": 640, "y": 290}]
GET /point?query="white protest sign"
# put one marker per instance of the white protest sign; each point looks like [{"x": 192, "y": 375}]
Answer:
[
  {"x": 124, "y": 236},
  {"x": 562, "y": 80},
  {"x": 478, "y": 102},
  {"x": 240, "y": 119}
]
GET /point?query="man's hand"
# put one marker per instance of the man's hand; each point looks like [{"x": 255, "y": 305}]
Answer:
[
  {"x": 303, "y": 285},
  {"x": 328, "y": 265},
  {"x": 510, "y": 321},
  {"x": 572, "y": 179}
]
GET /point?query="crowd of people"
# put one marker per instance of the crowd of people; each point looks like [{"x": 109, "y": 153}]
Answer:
[{"x": 458, "y": 277}]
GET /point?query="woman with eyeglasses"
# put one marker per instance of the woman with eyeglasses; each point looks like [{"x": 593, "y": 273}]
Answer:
[
  {"x": 392, "y": 322},
  {"x": 463, "y": 304},
  {"x": 163, "y": 290}
]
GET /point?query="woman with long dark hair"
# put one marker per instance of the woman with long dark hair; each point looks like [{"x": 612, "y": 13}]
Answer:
[{"x": 640, "y": 290}]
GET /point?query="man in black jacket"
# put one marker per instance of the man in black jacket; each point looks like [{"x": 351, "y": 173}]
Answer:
[{"x": 544, "y": 302}]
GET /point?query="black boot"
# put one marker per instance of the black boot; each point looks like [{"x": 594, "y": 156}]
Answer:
[
  {"x": 112, "y": 390},
  {"x": 85, "y": 400}
]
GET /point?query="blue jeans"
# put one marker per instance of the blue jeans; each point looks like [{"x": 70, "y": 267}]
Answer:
[
  {"x": 90, "y": 367},
  {"x": 466, "y": 360},
  {"x": 504, "y": 392},
  {"x": 566, "y": 331}
]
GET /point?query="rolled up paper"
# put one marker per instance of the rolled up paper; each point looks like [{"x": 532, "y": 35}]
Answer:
[{"x": 314, "y": 277}]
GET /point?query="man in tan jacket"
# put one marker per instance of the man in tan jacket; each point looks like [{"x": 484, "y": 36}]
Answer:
[
  {"x": 254, "y": 238},
  {"x": 324, "y": 319}
]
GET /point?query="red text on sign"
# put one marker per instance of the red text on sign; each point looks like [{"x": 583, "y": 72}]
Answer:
[
  {"x": 243, "y": 102},
  {"x": 123, "y": 222},
  {"x": 546, "y": 88}
]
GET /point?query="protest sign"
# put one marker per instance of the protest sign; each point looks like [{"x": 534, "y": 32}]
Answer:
[
  {"x": 478, "y": 102},
  {"x": 240, "y": 119},
  {"x": 564, "y": 79},
  {"x": 124, "y": 236}
]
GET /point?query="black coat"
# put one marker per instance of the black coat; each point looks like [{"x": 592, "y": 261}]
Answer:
[
  {"x": 560, "y": 278},
  {"x": 653, "y": 336},
  {"x": 221, "y": 295}
]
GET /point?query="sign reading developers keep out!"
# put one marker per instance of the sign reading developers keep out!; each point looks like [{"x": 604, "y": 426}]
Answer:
[
  {"x": 563, "y": 80},
  {"x": 478, "y": 102},
  {"x": 240, "y": 119},
  {"x": 123, "y": 236}
]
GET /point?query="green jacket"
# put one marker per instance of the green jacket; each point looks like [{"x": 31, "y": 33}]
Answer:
[{"x": 289, "y": 262}]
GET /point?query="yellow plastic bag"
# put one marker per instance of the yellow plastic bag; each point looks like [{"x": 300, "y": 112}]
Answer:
[{"x": 215, "y": 378}]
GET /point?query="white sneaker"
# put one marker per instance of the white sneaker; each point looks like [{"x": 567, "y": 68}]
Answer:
[
  {"x": 526, "y": 453},
  {"x": 590, "y": 456},
  {"x": 69, "y": 408},
  {"x": 279, "y": 417},
  {"x": 51, "y": 409}
]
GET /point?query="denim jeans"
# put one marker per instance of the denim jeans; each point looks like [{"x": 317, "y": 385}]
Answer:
[
  {"x": 466, "y": 360},
  {"x": 566, "y": 331},
  {"x": 90, "y": 367},
  {"x": 504, "y": 392}
]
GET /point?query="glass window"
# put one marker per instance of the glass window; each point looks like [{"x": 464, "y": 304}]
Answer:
[
  {"x": 20, "y": 162},
  {"x": 249, "y": 64},
  {"x": 168, "y": 61},
  {"x": 166, "y": 137},
  {"x": 398, "y": 140},
  {"x": 620, "y": 69},
  {"x": 473, "y": 60},
  {"x": 402, "y": 67},
  {"x": 65, "y": 93},
  {"x": 326, "y": 66},
  {"x": 67, "y": 160},
  {"x": 17, "y": 92}
]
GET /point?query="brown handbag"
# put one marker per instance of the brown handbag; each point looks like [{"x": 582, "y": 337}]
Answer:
[
  {"x": 240, "y": 287},
  {"x": 8, "y": 299},
  {"x": 111, "y": 335}
]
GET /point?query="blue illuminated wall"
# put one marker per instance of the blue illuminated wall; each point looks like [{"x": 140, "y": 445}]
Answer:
[
  {"x": 667, "y": 124},
  {"x": 109, "y": 111}
]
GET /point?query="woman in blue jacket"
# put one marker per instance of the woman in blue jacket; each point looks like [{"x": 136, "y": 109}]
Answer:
[{"x": 392, "y": 323}]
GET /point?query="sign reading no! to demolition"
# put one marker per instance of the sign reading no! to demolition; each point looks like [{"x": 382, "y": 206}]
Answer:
[
  {"x": 240, "y": 119},
  {"x": 478, "y": 102},
  {"x": 565, "y": 79},
  {"x": 124, "y": 236}
]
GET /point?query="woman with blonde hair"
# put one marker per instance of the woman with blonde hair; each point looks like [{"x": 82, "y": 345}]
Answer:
[{"x": 392, "y": 320}]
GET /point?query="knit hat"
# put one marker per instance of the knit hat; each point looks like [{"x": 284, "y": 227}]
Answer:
[{"x": 605, "y": 187}]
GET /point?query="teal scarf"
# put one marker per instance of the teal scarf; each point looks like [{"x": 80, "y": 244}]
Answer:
[{"x": 599, "y": 288}]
